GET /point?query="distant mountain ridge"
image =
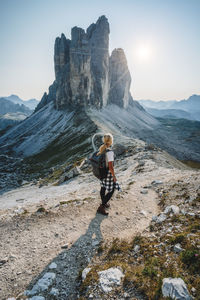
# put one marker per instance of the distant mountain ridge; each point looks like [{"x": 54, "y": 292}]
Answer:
[
  {"x": 31, "y": 103},
  {"x": 190, "y": 105},
  {"x": 7, "y": 106},
  {"x": 12, "y": 113},
  {"x": 169, "y": 113}
]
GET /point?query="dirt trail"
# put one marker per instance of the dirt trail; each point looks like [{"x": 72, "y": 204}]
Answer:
[{"x": 31, "y": 241}]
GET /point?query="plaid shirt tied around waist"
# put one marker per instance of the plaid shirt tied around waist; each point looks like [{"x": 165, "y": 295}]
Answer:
[{"x": 109, "y": 184}]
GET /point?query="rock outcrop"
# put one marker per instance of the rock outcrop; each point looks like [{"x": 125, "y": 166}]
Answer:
[
  {"x": 85, "y": 75},
  {"x": 119, "y": 79}
]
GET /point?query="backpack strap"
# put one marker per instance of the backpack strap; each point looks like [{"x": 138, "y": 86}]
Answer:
[{"x": 93, "y": 145}]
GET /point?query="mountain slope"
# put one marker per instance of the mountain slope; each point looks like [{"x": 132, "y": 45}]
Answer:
[
  {"x": 169, "y": 113},
  {"x": 43, "y": 128}
]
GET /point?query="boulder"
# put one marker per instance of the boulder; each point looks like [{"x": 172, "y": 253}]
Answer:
[
  {"x": 109, "y": 278},
  {"x": 175, "y": 288}
]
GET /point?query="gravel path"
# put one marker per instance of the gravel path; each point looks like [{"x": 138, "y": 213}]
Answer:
[{"x": 31, "y": 240}]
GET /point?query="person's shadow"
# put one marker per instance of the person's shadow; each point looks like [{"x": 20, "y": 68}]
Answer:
[{"x": 70, "y": 264}]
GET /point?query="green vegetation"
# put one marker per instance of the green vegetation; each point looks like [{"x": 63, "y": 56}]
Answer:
[{"x": 154, "y": 259}]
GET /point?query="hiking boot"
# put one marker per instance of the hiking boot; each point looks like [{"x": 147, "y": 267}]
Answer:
[
  {"x": 101, "y": 210},
  {"x": 107, "y": 205}
]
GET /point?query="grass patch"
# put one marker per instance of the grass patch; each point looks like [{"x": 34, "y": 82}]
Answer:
[
  {"x": 155, "y": 260},
  {"x": 191, "y": 259},
  {"x": 178, "y": 239}
]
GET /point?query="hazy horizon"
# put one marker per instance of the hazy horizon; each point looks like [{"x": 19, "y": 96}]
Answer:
[{"x": 160, "y": 39}]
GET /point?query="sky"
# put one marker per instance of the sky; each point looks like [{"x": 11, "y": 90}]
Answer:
[{"x": 160, "y": 39}]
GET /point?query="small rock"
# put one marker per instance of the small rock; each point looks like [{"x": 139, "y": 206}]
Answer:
[
  {"x": 19, "y": 211},
  {"x": 141, "y": 163},
  {"x": 12, "y": 256},
  {"x": 177, "y": 248},
  {"x": 95, "y": 243},
  {"x": 76, "y": 171},
  {"x": 91, "y": 296},
  {"x": 19, "y": 200},
  {"x": 175, "y": 288},
  {"x": 136, "y": 248},
  {"x": 142, "y": 212},
  {"x": 144, "y": 191},
  {"x": 65, "y": 246},
  {"x": 54, "y": 292},
  {"x": 110, "y": 277},
  {"x": 193, "y": 290},
  {"x": 41, "y": 210},
  {"x": 18, "y": 273},
  {"x": 191, "y": 214},
  {"x": 3, "y": 261},
  {"x": 172, "y": 208},
  {"x": 52, "y": 266},
  {"x": 126, "y": 295},
  {"x": 85, "y": 272},
  {"x": 183, "y": 212},
  {"x": 155, "y": 182},
  {"x": 154, "y": 218},
  {"x": 159, "y": 219}
]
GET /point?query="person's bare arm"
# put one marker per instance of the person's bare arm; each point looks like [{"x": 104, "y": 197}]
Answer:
[{"x": 111, "y": 168}]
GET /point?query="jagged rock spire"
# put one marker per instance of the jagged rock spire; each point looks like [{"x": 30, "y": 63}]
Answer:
[
  {"x": 119, "y": 78},
  {"x": 84, "y": 74}
]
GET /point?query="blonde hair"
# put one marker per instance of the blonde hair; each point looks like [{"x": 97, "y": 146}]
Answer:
[{"x": 107, "y": 142}]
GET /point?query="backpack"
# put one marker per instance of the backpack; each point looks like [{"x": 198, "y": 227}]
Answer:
[{"x": 98, "y": 162}]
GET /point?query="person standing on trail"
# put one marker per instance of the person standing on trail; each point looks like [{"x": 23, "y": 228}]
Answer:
[{"x": 109, "y": 183}]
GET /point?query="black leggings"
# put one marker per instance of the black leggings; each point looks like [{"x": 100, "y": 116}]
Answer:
[{"x": 105, "y": 198}]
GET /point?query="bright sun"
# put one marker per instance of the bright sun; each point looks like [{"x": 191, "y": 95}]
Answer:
[{"x": 144, "y": 52}]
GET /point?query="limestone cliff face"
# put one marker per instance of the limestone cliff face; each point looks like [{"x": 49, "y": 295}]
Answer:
[
  {"x": 120, "y": 79},
  {"x": 85, "y": 76}
]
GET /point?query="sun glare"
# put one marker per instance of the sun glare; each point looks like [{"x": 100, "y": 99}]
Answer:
[{"x": 144, "y": 52}]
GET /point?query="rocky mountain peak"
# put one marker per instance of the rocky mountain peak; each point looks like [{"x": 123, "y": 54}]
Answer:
[
  {"x": 120, "y": 79},
  {"x": 85, "y": 75}
]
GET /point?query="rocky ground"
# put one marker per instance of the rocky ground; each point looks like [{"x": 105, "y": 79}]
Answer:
[{"x": 48, "y": 241}]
